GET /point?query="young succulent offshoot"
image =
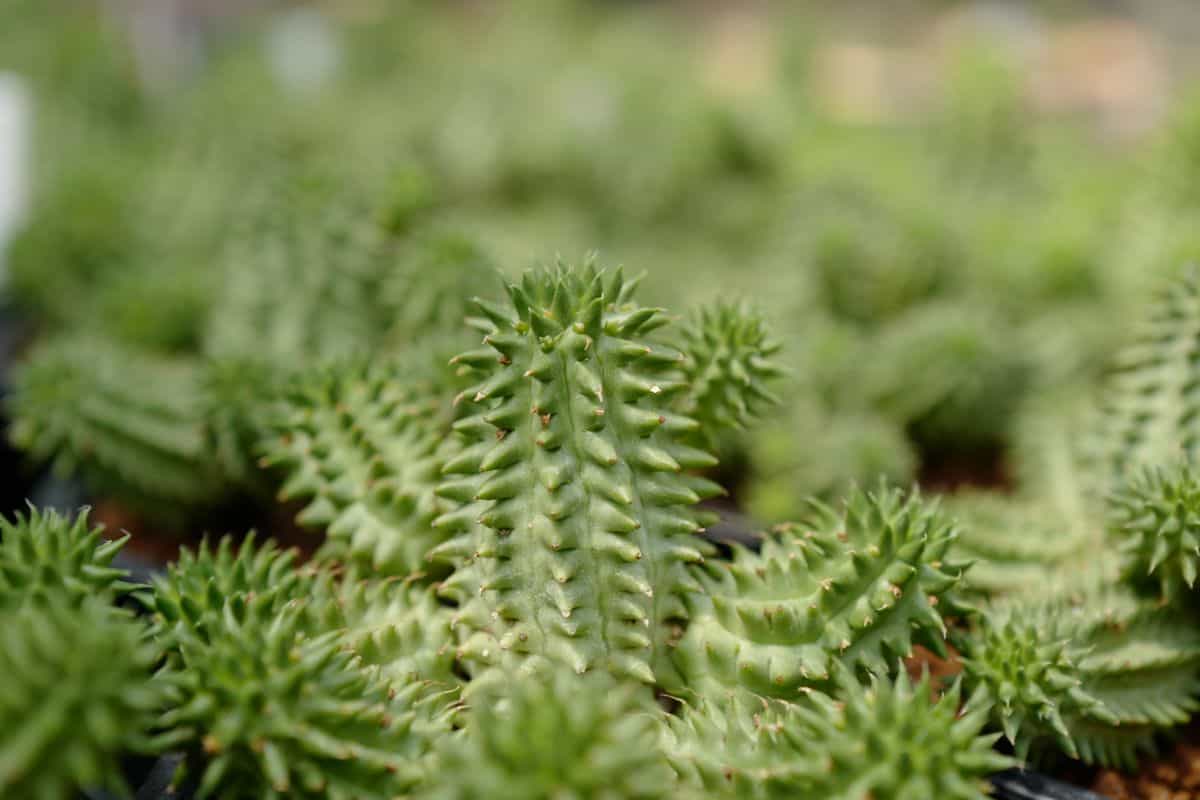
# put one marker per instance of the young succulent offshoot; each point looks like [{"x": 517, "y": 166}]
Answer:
[
  {"x": 1155, "y": 516},
  {"x": 728, "y": 368},
  {"x": 364, "y": 447},
  {"x": 1095, "y": 674},
  {"x": 44, "y": 553},
  {"x": 573, "y": 523},
  {"x": 76, "y": 697},
  {"x": 263, "y": 709},
  {"x": 585, "y": 737},
  {"x": 856, "y": 587},
  {"x": 889, "y": 738}
]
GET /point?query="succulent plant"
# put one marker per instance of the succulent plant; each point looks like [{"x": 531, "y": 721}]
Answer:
[
  {"x": 1149, "y": 411},
  {"x": 192, "y": 595},
  {"x": 973, "y": 379},
  {"x": 1096, "y": 673},
  {"x": 130, "y": 422},
  {"x": 573, "y": 523},
  {"x": 46, "y": 554},
  {"x": 301, "y": 280},
  {"x": 266, "y": 711},
  {"x": 365, "y": 446},
  {"x": 728, "y": 368},
  {"x": 395, "y": 628},
  {"x": 890, "y": 738},
  {"x": 856, "y": 586},
  {"x": 1015, "y": 545},
  {"x": 563, "y": 735},
  {"x": 1155, "y": 516},
  {"x": 76, "y": 697},
  {"x": 240, "y": 396},
  {"x": 431, "y": 288}
]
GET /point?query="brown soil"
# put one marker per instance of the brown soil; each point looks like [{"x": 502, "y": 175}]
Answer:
[
  {"x": 156, "y": 545},
  {"x": 952, "y": 472},
  {"x": 1175, "y": 777}
]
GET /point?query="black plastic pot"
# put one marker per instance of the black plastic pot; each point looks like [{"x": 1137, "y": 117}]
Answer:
[{"x": 1016, "y": 784}]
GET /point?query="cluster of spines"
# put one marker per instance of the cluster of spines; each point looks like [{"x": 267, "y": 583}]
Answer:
[
  {"x": 573, "y": 525},
  {"x": 76, "y": 696},
  {"x": 854, "y": 587},
  {"x": 886, "y": 739},
  {"x": 272, "y": 712},
  {"x": 270, "y": 696},
  {"x": 365, "y": 449},
  {"x": 46, "y": 554},
  {"x": 1155, "y": 516},
  {"x": 728, "y": 367},
  {"x": 193, "y": 593},
  {"x": 1096, "y": 673},
  {"x": 587, "y": 737},
  {"x": 132, "y": 424}
]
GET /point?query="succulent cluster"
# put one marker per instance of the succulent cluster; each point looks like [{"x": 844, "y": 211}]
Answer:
[
  {"x": 1098, "y": 673},
  {"x": 513, "y": 578},
  {"x": 508, "y": 574}
]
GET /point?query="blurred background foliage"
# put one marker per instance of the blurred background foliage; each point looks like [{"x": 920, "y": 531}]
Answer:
[{"x": 940, "y": 214}]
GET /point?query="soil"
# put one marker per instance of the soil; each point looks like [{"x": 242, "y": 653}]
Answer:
[{"x": 1173, "y": 777}]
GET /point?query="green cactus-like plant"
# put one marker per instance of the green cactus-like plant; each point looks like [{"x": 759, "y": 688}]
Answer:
[
  {"x": 364, "y": 447},
  {"x": 573, "y": 523},
  {"x": 588, "y": 737},
  {"x": 1095, "y": 673},
  {"x": 973, "y": 379},
  {"x": 856, "y": 586},
  {"x": 301, "y": 282},
  {"x": 398, "y": 629},
  {"x": 265, "y": 710},
  {"x": 240, "y": 397},
  {"x": 431, "y": 288},
  {"x": 130, "y": 423},
  {"x": 1149, "y": 412},
  {"x": 75, "y": 698},
  {"x": 890, "y": 738},
  {"x": 192, "y": 595},
  {"x": 1155, "y": 516},
  {"x": 728, "y": 368},
  {"x": 44, "y": 553},
  {"x": 1015, "y": 545}
]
